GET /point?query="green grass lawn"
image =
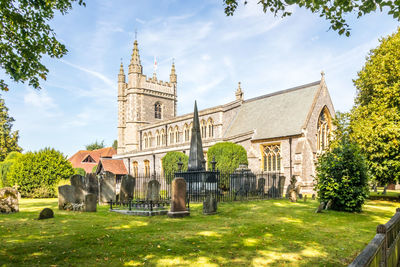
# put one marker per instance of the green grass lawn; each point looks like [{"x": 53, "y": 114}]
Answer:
[{"x": 268, "y": 232}]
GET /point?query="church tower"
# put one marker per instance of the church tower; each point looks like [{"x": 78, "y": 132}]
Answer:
[{"x": 142, "y": 101}]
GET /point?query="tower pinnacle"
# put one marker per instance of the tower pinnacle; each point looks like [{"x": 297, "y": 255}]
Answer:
[
  {"x": 121, "y": 75},
  {"x": 239, "y": 93},
  {"x": 172, "y": 76},
  {"x": 135, "y": 66}
]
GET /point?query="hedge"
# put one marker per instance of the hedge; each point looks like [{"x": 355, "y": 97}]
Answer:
[{"x": 170, "y": 164}]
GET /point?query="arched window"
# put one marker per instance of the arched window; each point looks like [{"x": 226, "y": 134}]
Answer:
[
  {"x": 272, "y": 158},
  {"x": 190, "y": 130},
  {"x": 145, "y": 141},
  {"x": 157, "y": 110},
  {"x": 186, "y": 132},
  {"x": 135, "y": 169},
  {"x": 150, "y": 139},
  {"x": 147, "y": 168},
  {"x": 203, "y": 127},
  {"x": 210, "y": 126},
  {"x": 163, "y": 137},
  {"x": 158, "y": 138},
  {"x": 176, "y": 135},
  {"x": 323, "y": 129},
  {"x": 170, "y": 136}
]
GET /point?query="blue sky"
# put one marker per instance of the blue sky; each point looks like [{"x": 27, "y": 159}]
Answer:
[{"x": 212, "y": 52}]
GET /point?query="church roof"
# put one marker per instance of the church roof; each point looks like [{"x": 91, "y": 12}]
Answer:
[{"x": 278, "y": 114}]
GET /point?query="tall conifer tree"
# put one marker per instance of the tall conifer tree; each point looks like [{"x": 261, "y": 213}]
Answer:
[{"x": 8, "y": 138}]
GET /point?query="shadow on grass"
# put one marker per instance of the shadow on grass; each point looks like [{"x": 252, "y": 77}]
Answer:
[{"x": 268, "y": 232}]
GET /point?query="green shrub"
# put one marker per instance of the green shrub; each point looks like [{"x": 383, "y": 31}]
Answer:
[
  {"x": 37, "y": 173},
  {"x": 170, "y": 164},
  {"x": 5, "y": 167},
  {"x": 94, "y": 168},
  {"x": 61, "y": 183},
  {"x": 342, "y": 177},
  {"x": 80, "y": 171}
]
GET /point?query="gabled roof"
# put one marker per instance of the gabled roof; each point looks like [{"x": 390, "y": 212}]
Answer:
[
  {"x": 77, "y": 159},
  {"x": 115, "y": 166},
  {"x": 275, "y": 115}
]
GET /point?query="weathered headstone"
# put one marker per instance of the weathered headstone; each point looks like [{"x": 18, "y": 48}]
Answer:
[
  {"x": 107, "y": 187},
  {"x": 78, "y": 182},
  {"x": 153, "y": 190},
  {"x": 92, "y": 183},
  {"x": 313, "y": 197},
  {"x": 281, "y": 185},
  {"x": 178, "y": 201},
  {"x": 305, "y": 198},
  {"x": 8, "y": 200},
  {"x": 261, "y": 186},
  {"x": 127, "y": 187},
  {"x": 210, "y": 205},
  {"x": 293, "y": 196},
  {"x": 46, "y": 213},
  {"x": 90, "y": 202},
  {"x": 329, "y": 204},
  {"x": 320, "y": 207},
  {"x": 66, "y": 195}
]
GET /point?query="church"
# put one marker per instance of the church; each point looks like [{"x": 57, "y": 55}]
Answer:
[{"x": 284, "y": 131}]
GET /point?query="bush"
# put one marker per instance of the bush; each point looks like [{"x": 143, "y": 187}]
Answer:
[
  {"x": 37, "y": 173},
  {"x": 80, "y": 171},
  {"x": 227, "y": 155},
  {"x": 342, "y": 177},
  {"x": 5, "y": 167},
  {"x": 170, "y": 164}
]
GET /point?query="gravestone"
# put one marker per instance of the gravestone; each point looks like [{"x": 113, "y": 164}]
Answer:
[
  {"x": 46, "y": 213},
  {"x": 313, "y": 197},
  {"x": 305, "y": 198},
  {"x": 261, "y": 186},
  {"x": 329, "y": 204},
  {"x": 8, "y": 200},
  {"x": 107, "y": 188},
  {"x": 66, "y": 195},
  {"x": 320, "y": 207},
  {"x": 178, "y": 201},
  {"x": 153, "y": 190},
  {"x": 281, "y": 185},
  {"x": 210, "y": 205},
  {"x": 127, "y": 188},
  {"x": 78, "y": 182},
  {"x": 92, "y": 184},
  {"x": 90, "y": 202},
  {"x": 293, "y": 196}
]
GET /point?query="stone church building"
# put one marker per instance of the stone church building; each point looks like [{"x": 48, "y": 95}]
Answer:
[{"x": 282, "y": 132}]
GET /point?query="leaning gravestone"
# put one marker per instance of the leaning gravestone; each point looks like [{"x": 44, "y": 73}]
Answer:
[
  {"x": 320, "y": 207},
  {"x": 329, "y": 204},
  {"x": 46, "y": 213},
  {"x": 209, "y": 205},
  {"x": 78, "y": 182},
  {"x": 153, "y": 190},
  {"x": 8, "y": 200},
  {"x": 178, "y": 201},
  {"x": 90, "y": 202},
  {"x": 66, "y": 195},
  {"x": 107, "y": 188},
  {"x": 127, "y": 187}
]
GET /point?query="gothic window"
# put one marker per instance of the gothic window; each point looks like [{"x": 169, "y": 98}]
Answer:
[
  {"x": 147, "y": 168},
  {"x": 210, "y": 126},
  {"x": 176, "y": 135},
  {"x": 150, "y": 139},
  {"x": 157, "y": 110},
  {"x": 272, "y": 158},
  {"x": 135, "y": 169},
  {"x": 186, "y": 131},
  {"x": 171, "y": 136},
  {"x": 203, "y": 127},
  {"x": 146, "y": 142},
  {"x": 163, "y": 137},
  {"x": 323, "y": 129}
]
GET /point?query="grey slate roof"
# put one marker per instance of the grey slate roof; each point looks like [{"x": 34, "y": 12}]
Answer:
[{"x": 275, "y": 115}]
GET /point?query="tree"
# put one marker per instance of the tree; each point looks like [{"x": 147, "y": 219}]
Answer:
[
  {"x": 115, "y": 144},
  {"x": 25, "y": 36},
  {"x": 333, "y": 11},
  {"x": 376, "y": 114},
  {"x": 8, "y": 138},
  {"x": 170, "y": 164},
  {"x": 342, "y": 171},
  {"x": 227, "y": 155},
  {"x": 80, "y": 171},
  {"x": 37, "y": 173},
  {"x": 95, "y": 145},
  {"x": 6, "y": 165}
]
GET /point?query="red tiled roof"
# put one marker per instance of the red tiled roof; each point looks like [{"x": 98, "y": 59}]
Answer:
[
  {"x": 115, "y": 166},
  {"x": 78, "y": 157}
]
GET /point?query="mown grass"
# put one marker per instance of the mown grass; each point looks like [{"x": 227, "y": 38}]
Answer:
[{"x": 268, "y": 232}]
